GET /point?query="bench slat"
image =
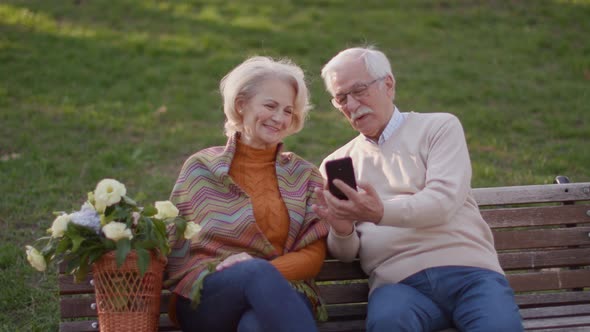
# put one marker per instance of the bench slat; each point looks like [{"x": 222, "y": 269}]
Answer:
[
  {"x": 67, "y": 285},
  {"x": 343, "y": 326},
  {"x": 536, "y": 216},
  {"x": 358, "y": 311},
  {"x": 559, "y": 322},
  {"x": 75, "y": 307},
  {"x": 86, "y": 325},
  {"x": 532, "y": 194},
  {"x": 552, "y": 299},
  {"x": 568, "y": 329},
  {"x": 544, "y": 259},
  {"x": 357, "y": 292},
  {"x": 344, "y": 293},
  {"x": 510, "y": 261},
  {"x": 559, "y": 311},
  {"x": 542, "y": 238},
  {"x": 335, "y": 270},
  {"x": 347, "y": 311},
  {"x": 549, "y": 280}
]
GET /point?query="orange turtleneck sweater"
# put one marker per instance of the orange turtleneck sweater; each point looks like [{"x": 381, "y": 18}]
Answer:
[{"x": 254, "y": 171}]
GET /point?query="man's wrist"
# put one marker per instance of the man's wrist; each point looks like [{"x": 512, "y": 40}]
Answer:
[{"x": 343, "y": 233}]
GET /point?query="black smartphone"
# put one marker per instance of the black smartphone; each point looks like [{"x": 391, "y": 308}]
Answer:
[{"x": 340, "y": 169}]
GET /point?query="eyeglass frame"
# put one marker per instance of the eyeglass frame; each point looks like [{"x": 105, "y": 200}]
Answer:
[{"x": 356, "y": 92}]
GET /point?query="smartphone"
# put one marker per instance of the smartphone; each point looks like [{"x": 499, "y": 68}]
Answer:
[{"x": 340, "y": 169}]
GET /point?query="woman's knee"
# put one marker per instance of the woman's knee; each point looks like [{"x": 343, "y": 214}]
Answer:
[
  {"x": 254, "y": 269},
  {"x": 249, "y": 323},
  {"x": 257, "y": 266}
]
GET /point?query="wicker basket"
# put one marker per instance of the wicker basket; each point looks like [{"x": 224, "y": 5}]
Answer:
[{"x": 125, "y": 300}]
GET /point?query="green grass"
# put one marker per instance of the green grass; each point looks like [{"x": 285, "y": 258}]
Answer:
[{"x": 83, "y": 85}]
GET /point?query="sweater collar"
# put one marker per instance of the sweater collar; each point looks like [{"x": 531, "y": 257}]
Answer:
[
  {"x": 396, "y": 120},
  {"x": 282, "y": 158}
]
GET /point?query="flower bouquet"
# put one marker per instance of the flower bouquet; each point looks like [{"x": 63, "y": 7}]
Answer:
[{"x": 125, "y": 245}]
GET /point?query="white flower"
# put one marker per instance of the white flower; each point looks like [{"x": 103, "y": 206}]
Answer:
[
  {"x": 59, "y": 226},
  {"x": 191, "y": 230},
  {"x": 117, "y": 231},
  {"x": 87, "y": 217},
  {"x": 166, "y": 210},
  {"x": 107, "y": 193},
  {"x": 36, "y": 259}
]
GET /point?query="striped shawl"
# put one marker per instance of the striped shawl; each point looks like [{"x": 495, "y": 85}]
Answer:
[{"x": 205, "y": 194}]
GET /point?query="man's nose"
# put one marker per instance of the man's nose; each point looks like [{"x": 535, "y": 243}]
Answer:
[{"x": 351, "y": 103}]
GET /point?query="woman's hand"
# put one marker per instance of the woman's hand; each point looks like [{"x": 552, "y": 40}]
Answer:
[{"x": 233, "y": 259}]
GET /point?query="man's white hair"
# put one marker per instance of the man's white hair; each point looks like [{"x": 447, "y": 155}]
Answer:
[{"x": 375, "y": 61}]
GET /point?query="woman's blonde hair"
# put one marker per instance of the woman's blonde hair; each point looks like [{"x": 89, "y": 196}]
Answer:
[{"x": 242, "y": 84}]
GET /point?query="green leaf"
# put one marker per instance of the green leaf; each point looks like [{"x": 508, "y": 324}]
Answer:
[
  {"x": 82, "y": 270},
  {"x": 123, "y": 248},
  {"x": 122, "y": 213},
  {"x": 145, "y": 244},
  {"x": 160, "y": 226},
  {"x": 109, "y": 244},
  {"x": 77, "y": 240},
  {"x": 149, "y": 211},
  {"x": 63, "y": 245},
  {"x": 72, "y": 263},
  {"x": 149, "y": 226},
  {"x": 143, "y": 260},
  {"x": 95, "y": 253},
  {"x": 108, "y": 210}
]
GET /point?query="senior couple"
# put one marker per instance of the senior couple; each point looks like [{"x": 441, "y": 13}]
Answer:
[{"x": 267, "y": 217}]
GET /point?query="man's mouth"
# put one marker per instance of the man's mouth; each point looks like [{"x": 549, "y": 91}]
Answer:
[{"x": 361, "y": 113}]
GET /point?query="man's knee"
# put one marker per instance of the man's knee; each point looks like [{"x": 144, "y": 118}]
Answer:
[
  {"x": 490, "y": 306},
  {"x": 510, "y": 322},
  {"x": 398, "y": 307},
  {"x": 382, "y": 320}
]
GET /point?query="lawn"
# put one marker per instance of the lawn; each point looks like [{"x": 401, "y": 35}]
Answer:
[{"x": 128, "y": 89}]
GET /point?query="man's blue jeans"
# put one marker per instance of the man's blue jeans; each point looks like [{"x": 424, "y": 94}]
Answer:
[
  {"x": 466, "y": 298},
  {"x": 248, "y": 296}
]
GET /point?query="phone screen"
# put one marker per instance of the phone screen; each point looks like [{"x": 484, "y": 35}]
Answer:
[{"x": 340, "y": 169}]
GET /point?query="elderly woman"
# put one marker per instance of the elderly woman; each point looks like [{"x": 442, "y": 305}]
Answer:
[{"x": 251, "y": 267}]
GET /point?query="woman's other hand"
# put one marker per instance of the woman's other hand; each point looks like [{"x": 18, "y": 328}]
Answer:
[{"x": 233, "y": 259}]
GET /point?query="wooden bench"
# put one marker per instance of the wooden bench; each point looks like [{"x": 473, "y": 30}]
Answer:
[{"x": 542, "y": 234}]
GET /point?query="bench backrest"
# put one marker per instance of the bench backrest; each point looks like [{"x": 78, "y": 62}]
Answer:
[{"x": 542, "y": 234}]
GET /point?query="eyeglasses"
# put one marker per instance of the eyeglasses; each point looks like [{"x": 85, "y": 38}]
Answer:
[{"x": 358, "y": 91}]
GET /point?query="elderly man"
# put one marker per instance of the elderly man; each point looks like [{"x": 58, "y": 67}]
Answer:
[{"x": 413, "y": 221}]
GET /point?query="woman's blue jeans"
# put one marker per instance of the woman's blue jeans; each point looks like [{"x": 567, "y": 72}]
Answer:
[
  {"x": 466, "y": 298},
  {"x": 248, "y": 296}
]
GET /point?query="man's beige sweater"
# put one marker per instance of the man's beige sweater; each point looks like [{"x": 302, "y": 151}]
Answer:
[{"x": 422, "y": 174}]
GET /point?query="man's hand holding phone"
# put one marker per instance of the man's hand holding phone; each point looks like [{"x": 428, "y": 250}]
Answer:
[{"x": 362, "y": 205}]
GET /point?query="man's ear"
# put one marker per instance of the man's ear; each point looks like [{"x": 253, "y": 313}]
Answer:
[{"x": 390, "y": 85}]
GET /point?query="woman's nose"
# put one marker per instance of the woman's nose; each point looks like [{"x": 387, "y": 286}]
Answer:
[{"x": 277, "y": 116}]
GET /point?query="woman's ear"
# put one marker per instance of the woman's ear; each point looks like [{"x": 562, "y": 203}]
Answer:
[{"x": 239, "y": 105}]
